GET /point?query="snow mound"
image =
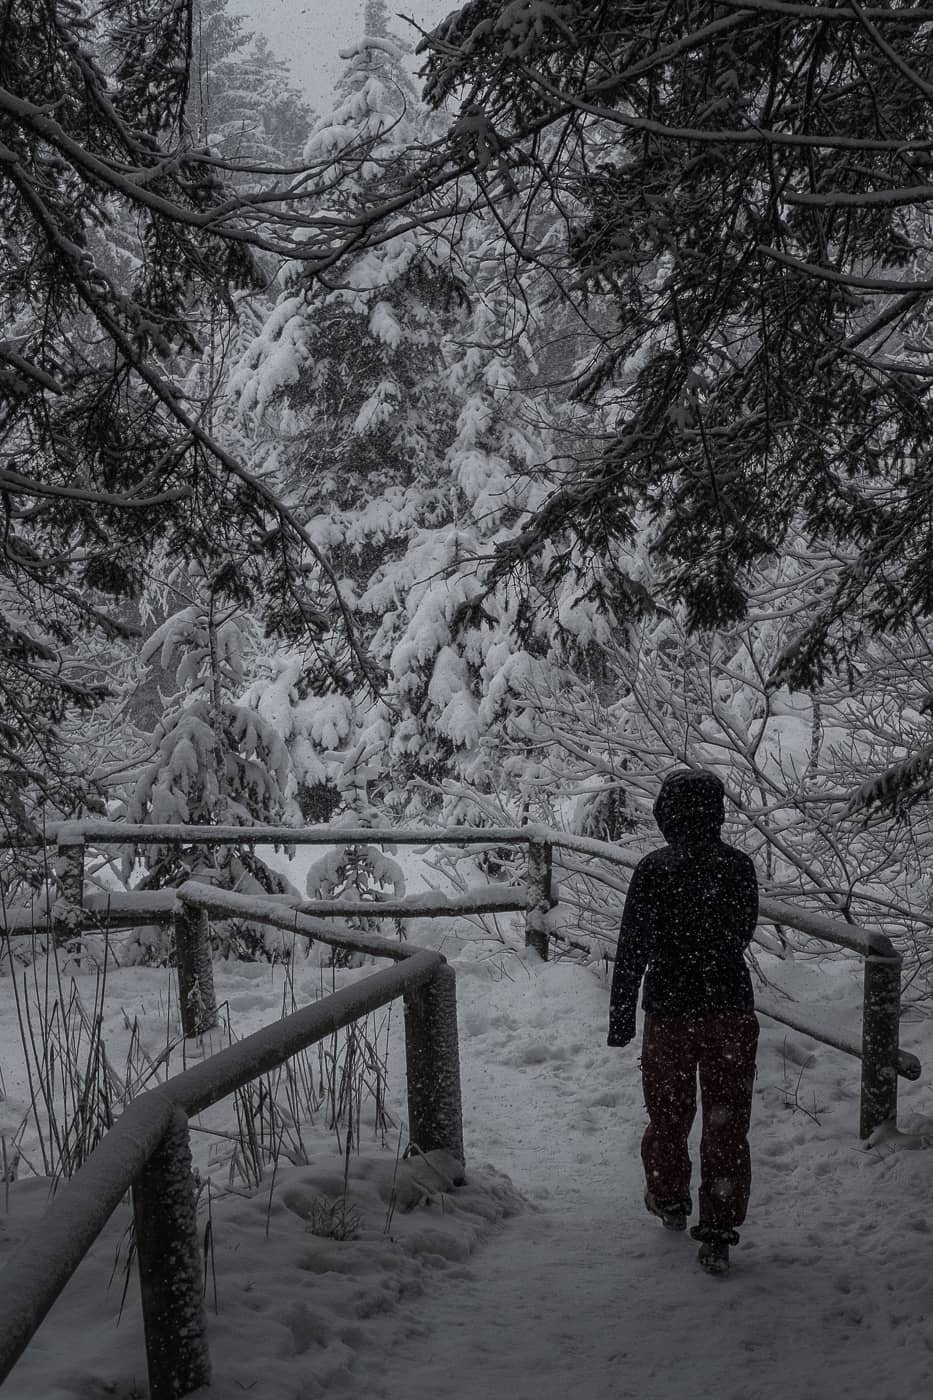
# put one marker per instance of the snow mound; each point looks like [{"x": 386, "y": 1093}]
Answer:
[{"x": 327, "y": 1260}]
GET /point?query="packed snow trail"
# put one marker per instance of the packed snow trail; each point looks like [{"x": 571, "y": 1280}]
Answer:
[
  {"x": 586, "y": 1295},
  {"x": 568, "y": 1290}
]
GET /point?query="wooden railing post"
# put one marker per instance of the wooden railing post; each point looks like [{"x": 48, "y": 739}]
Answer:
[
  {"x": 540, "y": 901},
  {"x": 432, "y": 1053},
  {"x": 69, "y": 877},
  {"x": 196, "y": 996},
  {"x": 168, "y": 1250},
  {"x": 881, "y": 1008}
]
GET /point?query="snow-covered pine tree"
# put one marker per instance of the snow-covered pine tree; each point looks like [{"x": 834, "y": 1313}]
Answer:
[
  {"x": 216, "y": 761},
  {"x": 106, "y": 305},
  {"x": 357, "y": 871},
  {"x": 342, "y": 374},
  {"x": 454, "y": 649},
  {"x": 399, "y": 406},
  {"x": 242, "y": 102},
  {"x": 242, "y": 105},
  {"x": 342, "y": 390}
]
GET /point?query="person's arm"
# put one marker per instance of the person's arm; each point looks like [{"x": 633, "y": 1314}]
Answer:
[
  {"x": 631, "y": 960},
  {"x": 747, "y": 902}
]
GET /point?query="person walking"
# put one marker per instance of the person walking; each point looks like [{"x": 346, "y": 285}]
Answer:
[{"x": 689, "y": 915}]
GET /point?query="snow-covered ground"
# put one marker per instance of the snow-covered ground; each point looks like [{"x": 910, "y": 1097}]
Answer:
[{"x": 542, "y": 1277}]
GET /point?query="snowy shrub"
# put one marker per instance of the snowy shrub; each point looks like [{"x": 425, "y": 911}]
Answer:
[
  {"x": 216, "y": 762},
  {"x": 356, "y": 871}
]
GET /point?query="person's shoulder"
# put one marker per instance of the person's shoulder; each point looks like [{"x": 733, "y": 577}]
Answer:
[
  {"x": 653, "y": 860},
  {"x": 657, "y": 857},
  {"x": 740, "y": 859}
]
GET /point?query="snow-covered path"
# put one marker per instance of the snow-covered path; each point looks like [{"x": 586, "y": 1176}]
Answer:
[
  {"x": 582, "y": 1301},
  {"x": 585, "y": 1295},
  {"x": 579, "y": 1293}
]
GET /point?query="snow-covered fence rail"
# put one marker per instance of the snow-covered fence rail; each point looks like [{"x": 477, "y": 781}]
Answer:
[
  {"x": 879, "y": 1051},
  {"x": 98, "y": 833},
  {"x": 119, "y": 910},
  {"x": 147, "y": 1152},
  {"x": 75, "y": 911}
]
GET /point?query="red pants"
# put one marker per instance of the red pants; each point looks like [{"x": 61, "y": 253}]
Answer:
[{"x": 722, "y": 1047}]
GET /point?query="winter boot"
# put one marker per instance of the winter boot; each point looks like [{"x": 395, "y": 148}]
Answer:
[
  {"x": 673, "y": 1213},
  {"x": 713, "y": 1254}
]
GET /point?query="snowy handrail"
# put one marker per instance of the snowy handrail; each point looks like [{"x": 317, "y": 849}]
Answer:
[
  {"x": 99, "y": 833},
  {"x": 147, "y": 1151},
  {"x": 881, "y": 1057},
  {"x": 880, "y": 1053},
  {"x": 76, "y": 835}
]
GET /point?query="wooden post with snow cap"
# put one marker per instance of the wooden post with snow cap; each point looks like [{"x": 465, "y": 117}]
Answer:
[
  {"x": 432, "y": 1055},
  {"x": 69, "y": 878},
  {"x": 196, "y": 996},
  {"x": 540, "y": 900},
  {"x": 881, "y": 1010},
  {"x": 168, "y": 1250}
]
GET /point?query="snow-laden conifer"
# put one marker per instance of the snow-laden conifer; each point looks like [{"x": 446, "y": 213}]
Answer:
[
  {"x": 398, "y": 406},
  {"x": 215, "y": 760},
  {"x": 242, "y": 102}
]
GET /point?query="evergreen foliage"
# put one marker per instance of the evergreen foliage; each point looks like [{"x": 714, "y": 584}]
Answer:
[
  {"x": 356, "y": 871},
  {"x": 216, "y": 762},
  {"x": 123, "y": 252},
  {"x": 393, "y": 403},
  {"x": 241, "y": 100},
  {"x": 748, "y": 194}
]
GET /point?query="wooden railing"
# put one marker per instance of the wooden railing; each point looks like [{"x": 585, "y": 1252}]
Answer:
[
  {"x": 879, "y": 1051},
  {"x": 73, "y": 910},
  {"x": 882, "y": 1059},
  {"x": 147, "y": 1150}
]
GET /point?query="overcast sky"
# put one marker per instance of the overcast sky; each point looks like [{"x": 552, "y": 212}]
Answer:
[{"x": 311, "y": 33}]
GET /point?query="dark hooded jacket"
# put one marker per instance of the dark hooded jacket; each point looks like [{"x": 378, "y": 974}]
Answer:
[{"x": 689, "y": 915}]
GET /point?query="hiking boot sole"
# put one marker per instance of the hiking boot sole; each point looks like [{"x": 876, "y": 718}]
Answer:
[
  {"x": 674, "y": 1220},
  {"x": 718, "y": 1268}
]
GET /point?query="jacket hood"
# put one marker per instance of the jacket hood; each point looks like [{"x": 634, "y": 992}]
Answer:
[{"x": 690, "y": 806}]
